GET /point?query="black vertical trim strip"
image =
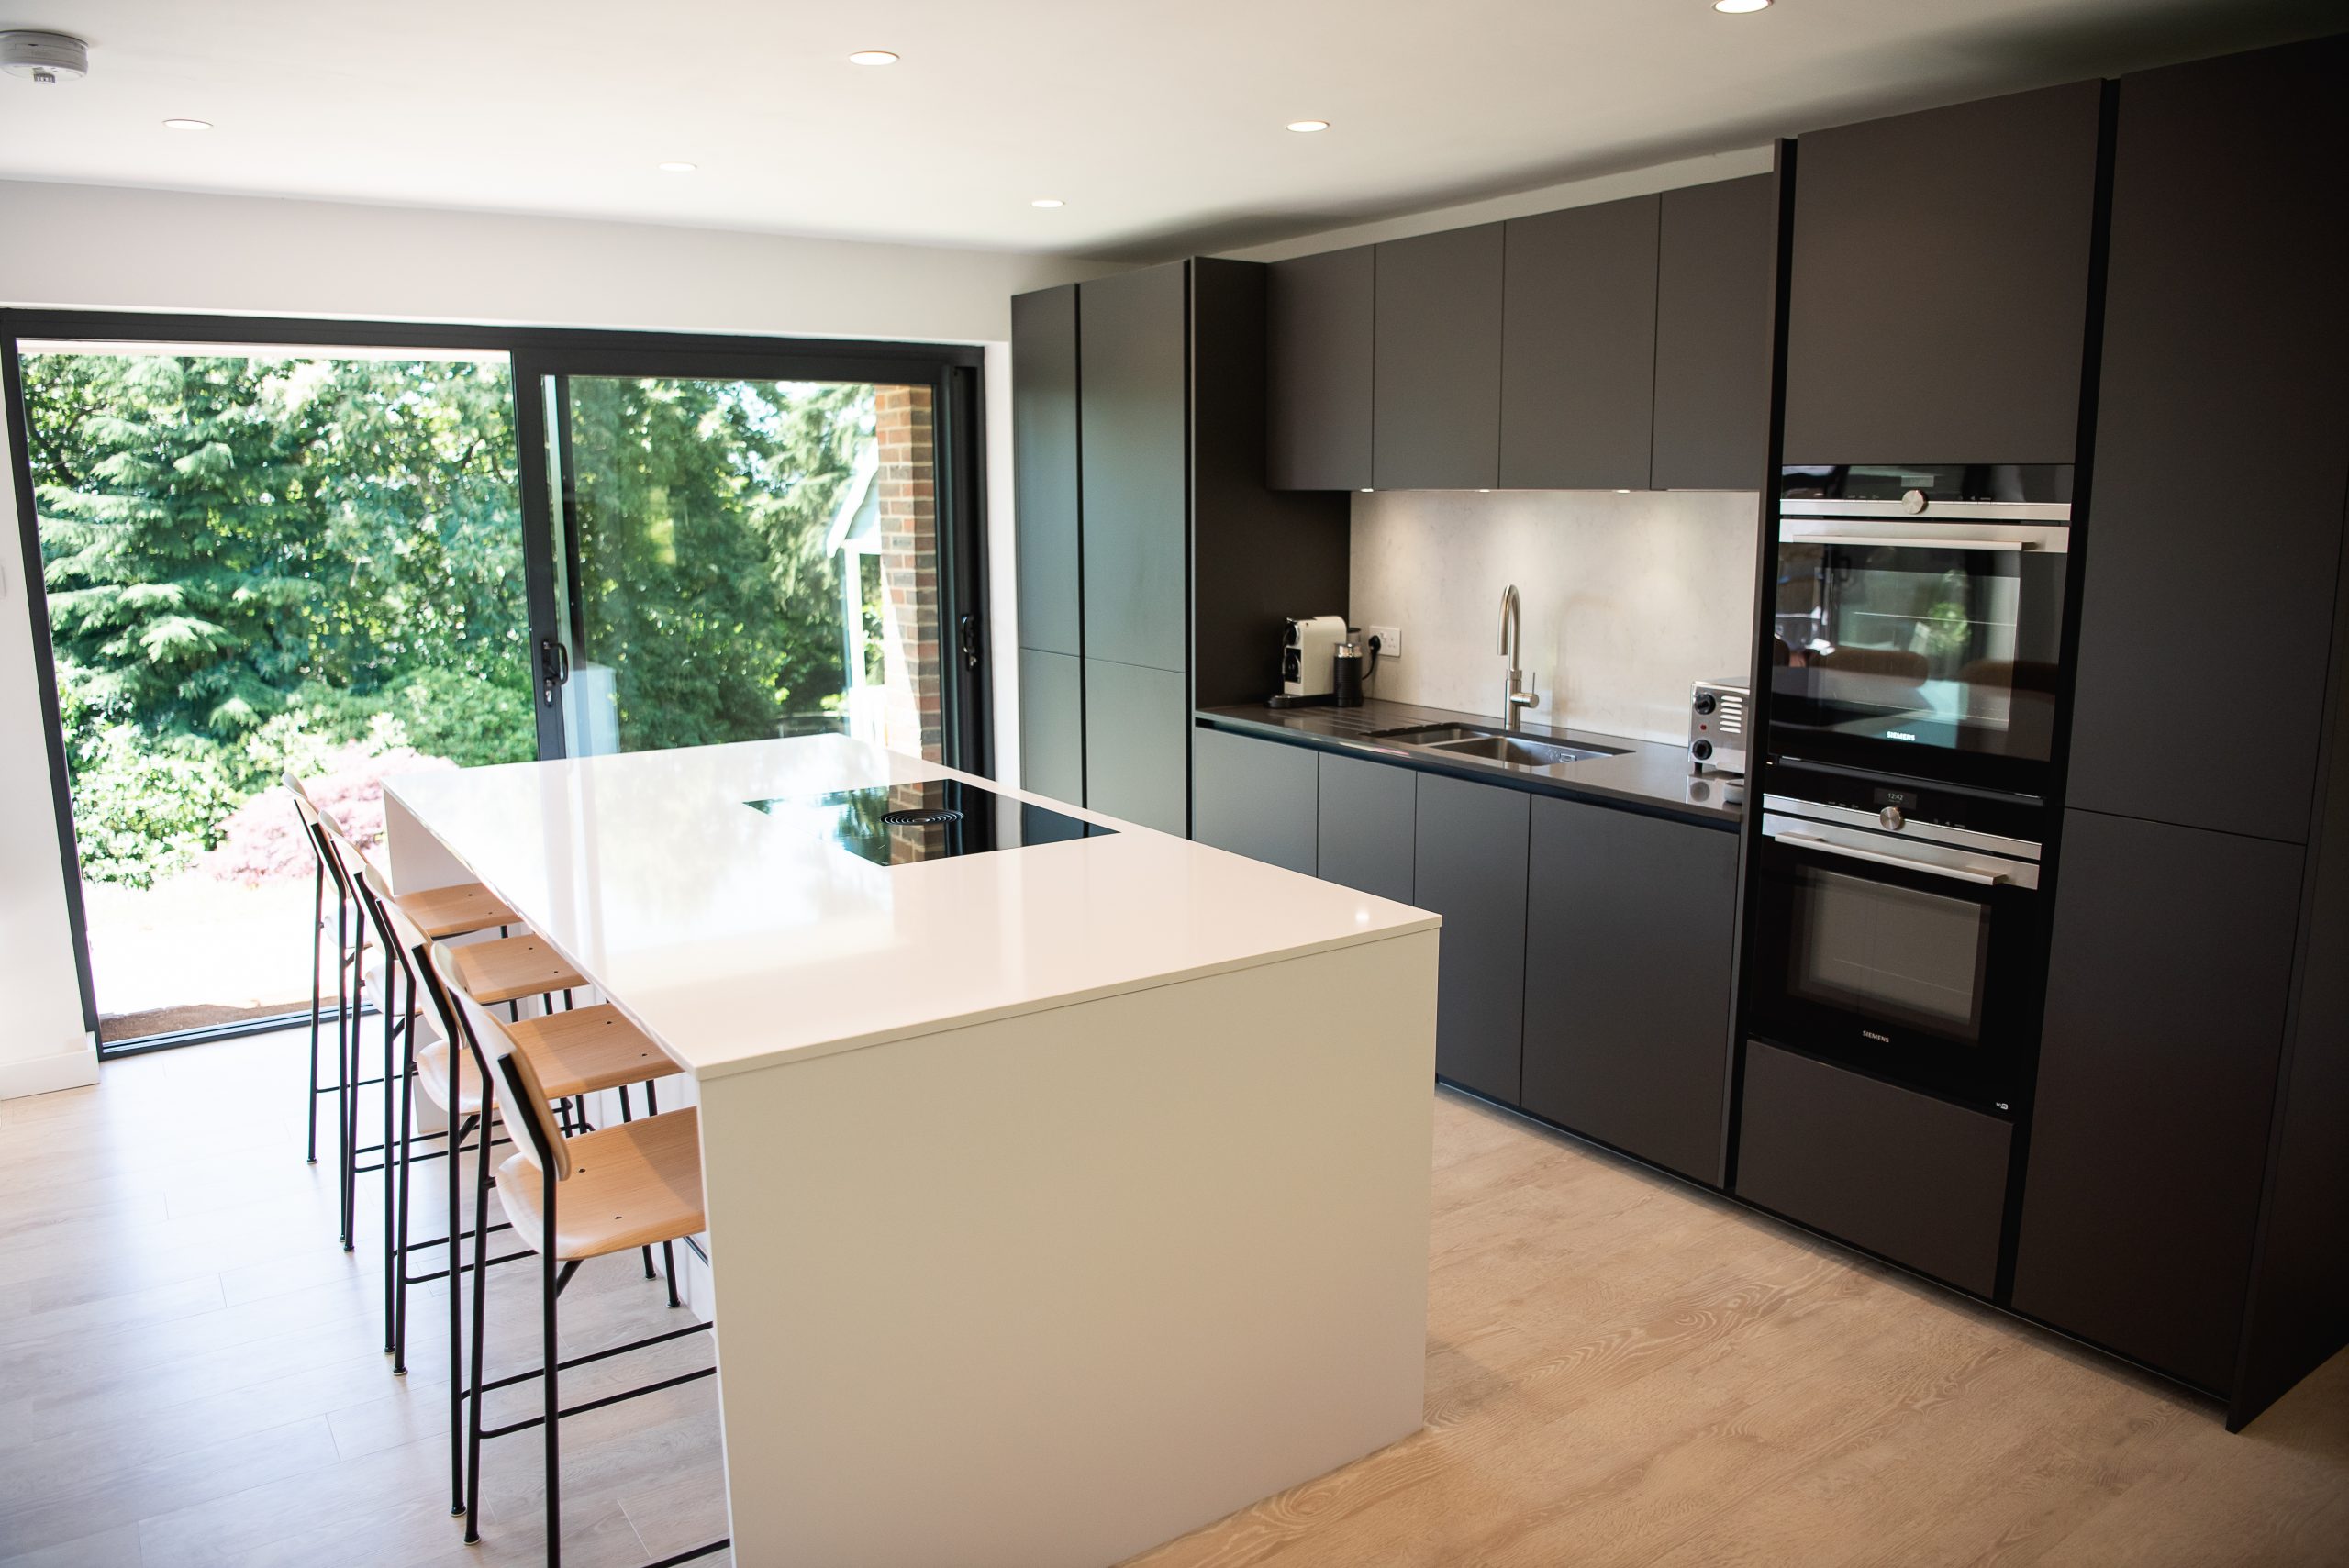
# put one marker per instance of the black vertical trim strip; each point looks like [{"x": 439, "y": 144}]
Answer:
[
  {"x": 538, "y": 555},
  {"x": 69, "y": 855}
]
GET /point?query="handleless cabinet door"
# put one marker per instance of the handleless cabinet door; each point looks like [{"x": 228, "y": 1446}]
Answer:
[
  {"x": 2165, "y": 998},
  {"x": 1469, "y": 867},
  {"x": 1437, "y": 401},
  {"x": 1254, "y": 797},
  {"x": 1131, "y": 432},
  {"x": 1627, "y": 981},
  {"x": 1318, "y": 368},
  {"x": 1051, "y": 725},
  {"x": 1043, "y": 440},
  {"x": 2222, "y": 446},
  {"x": 1714, "y": 255},
  {"x": 1938, "y": 299},
  {"x": 1578, "y": 347},
  {"x": 1137, "y": 744},
  {"x": 1369, "y": 822}
]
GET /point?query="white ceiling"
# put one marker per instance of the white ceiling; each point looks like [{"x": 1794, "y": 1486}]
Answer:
[{"x": 1159, "y": 125}]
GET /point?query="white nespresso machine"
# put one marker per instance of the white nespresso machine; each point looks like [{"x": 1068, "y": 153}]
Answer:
[{"x": 1308, "y": 655}]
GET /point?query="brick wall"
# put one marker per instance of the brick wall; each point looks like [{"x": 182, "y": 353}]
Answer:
[{"x": 907, "y": 486}]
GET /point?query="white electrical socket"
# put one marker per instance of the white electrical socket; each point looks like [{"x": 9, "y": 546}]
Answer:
[{"x": 1390, "y": 640}]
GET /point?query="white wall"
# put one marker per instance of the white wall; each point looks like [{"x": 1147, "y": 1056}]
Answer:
[
  {"x": 1626, "y": 598},
  {"x": 103, "y": 248}
]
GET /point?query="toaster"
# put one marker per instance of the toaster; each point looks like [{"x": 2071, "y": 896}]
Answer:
[{"x": 1717, "y": 725}]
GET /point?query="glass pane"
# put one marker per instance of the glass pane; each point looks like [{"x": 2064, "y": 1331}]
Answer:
[
  {"x": 1948, "y": 648},
  {"x": 1889, "y": 951},
  {"x": 261, "y": 560},
  {"x": 747, "y": 558}
]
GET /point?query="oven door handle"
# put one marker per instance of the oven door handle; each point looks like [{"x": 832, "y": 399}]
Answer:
[
  {"x": 1828, "y": 847},
  {"x": 1910, "y": 542}
]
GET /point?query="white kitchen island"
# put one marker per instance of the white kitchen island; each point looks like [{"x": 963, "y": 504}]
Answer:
[{"x": 1062, "y": 1198}]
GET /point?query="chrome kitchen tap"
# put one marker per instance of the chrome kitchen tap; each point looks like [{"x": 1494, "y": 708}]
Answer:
[{"x": 1519, "y": 691}]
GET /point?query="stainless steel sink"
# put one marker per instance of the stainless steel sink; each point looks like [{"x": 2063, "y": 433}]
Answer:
[
  {"x": 1493, "y": 745},
  {"x": 1519, "y": 749}
]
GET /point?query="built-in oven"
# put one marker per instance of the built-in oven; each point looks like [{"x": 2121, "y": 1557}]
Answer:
[
  {"x": 1918, "y": 626},
  {"x": 1909, "y": 951}
]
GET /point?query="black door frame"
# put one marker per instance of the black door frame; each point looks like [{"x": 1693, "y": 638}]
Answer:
[{"x": 952, "y": 372}]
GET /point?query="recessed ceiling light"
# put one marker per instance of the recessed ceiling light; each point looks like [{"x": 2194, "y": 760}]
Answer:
[
  {"x": 873, "y": 57},
  {"x": 1304, "y": 125},
  {"x": 187, "y": 125},
  {"x": 1737, "y": 7},
  {"x": 1047, "y": 201},
  {"x": 679, "y": 168}
]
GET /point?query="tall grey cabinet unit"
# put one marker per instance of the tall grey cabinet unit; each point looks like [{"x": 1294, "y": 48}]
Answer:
[
  {"x": 2188, "y": 1187},
  {"x": 1937, "y": 307},
  {"x": 1318, "y": 365},
  {"x": 1138, "y": 411},
  {"x": 1716, "y": 257},
  {"x": 1436, "y": 405},
  {"x": 1578, "y": 347}
]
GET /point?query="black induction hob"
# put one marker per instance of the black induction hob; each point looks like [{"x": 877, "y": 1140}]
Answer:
[{"x": 895, "y": 824}]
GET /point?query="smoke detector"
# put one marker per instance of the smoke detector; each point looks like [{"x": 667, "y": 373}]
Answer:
[{"x": 45, "y": 58}]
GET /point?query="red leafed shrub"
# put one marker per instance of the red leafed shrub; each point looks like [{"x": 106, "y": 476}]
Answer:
[{"x": 262, "y": 840}]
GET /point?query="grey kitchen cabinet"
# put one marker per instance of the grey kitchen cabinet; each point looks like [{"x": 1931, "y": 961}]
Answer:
[
  {"x": 1578, "y": 324},
  {"x": 1716, "y": 255},
  {"x": 1469, "y": 866},
  {"x": 1938, "y": 295},
  {"x": 1369, "y": 824},
  {"x": 1132, "y": 396},
  {"x": 1436, "y": 404},
  {"x": 1918, "y": 1179},
  {"x": 1137, "y": 744},
  {"x": 1052, "y": 724},
  {"x": 1043, "y": 452},
  {"x": 1258, "y": 798},
  {"x": 2222, "y": 446},
  {"x": 1318, "y": 365},
  {"x": 1628, "y": 953},
  {"x": 2169, "y": 975}
]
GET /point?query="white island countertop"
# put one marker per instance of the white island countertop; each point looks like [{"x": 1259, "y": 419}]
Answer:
[{"x": 737, "y": 939}]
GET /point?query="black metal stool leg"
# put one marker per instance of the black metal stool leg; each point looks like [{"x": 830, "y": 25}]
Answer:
[
  {"x": 458, "y": 1494},
  {"x": 551, "y": 1277},
  {"x": 668, "y": 1249},
  {"x": 408, "y": 1146},
  {"x": 393, "y": 1265},
  {"x": 470, "y": 1482},
  {"x": 627, "y": 1116},
  {"x": 318, "y": 980},
  {"x": 343, "y": 1057}
]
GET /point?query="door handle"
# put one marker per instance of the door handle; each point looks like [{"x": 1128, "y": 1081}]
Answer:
[
  {"x": 966, "y": 636},
  {"x": 1827, "y": 847},
  {"x": 555, "y": 669}
]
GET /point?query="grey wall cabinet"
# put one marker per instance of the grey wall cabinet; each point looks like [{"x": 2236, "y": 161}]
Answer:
[
  {"x": 1258, "y": 798},
  {"x": 1469, "y": 866},
  {"x": 1043, "y": 452},
  {"x": 2222, "y": 446},
  {"x": 2168, "y": 980},
  {"x": 1133, "y": 398},
  {"x": 1716, "y": 256},
  {"x": 1578, "y": 347},
  {"x": 1137, "y": 744},
  {"x": 1628, "y": 953},
  {"x": 1052, "y": 724},
  {"x": 1369, "y": 824},
  {"x": 1318, "y": 371},
  {"x": 1437, "y": 402},
  {"x": 1938, "y": 297}
]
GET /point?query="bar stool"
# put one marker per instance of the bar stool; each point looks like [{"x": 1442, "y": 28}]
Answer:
[{"x": 570, "y": 1198}]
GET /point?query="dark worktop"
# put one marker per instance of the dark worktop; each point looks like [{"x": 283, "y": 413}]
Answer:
[{"x": 1647, "y": 774}]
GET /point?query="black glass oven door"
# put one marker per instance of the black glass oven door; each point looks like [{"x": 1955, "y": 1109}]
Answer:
[
  {"x": 1918, "y": 659},
  {"x": 1915, "y": 976}
]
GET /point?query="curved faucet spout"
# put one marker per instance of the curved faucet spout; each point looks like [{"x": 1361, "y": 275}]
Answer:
[{"x": 1517, "y": 692}]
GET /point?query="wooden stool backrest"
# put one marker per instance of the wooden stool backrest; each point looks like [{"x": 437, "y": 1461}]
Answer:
[{"x": 520, "y": 1095}]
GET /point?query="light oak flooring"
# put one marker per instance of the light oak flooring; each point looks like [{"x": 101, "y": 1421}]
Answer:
[{"x": 1620, "y": 1370}]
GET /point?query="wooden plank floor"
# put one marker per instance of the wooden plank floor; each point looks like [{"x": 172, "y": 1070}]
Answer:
[{"x": 1619, "y": 1372}]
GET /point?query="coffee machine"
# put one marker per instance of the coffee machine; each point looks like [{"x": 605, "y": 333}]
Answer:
[{"x": 1308, "y": 655}]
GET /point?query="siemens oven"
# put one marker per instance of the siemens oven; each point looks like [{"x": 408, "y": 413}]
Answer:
[
  {"x": 1910, "y": 951},
  {"x": 1917, "y": 636}
]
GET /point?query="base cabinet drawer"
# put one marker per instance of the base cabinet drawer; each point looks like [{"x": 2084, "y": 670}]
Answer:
[
  {"x": 1258, "y": 798},
  {"x": 1368, "y": 823},
  {"x": 1470, "y": 867},
  {"x": 1919, "y": 1180}
]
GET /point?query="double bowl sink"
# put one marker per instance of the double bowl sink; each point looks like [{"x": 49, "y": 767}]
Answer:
[{"x": 1474, "y": 744}]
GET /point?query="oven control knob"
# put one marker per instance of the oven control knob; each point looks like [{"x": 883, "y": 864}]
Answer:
[
  {"x": 1913, "y": 501},
  {"x": 1891, "y": 817},
  {"x": 1705, "y": 702}
]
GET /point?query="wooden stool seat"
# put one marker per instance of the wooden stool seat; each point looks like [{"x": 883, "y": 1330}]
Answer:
[
  {"x": 457, "y": 911},
  {"x": 511, "y": 968},
  {"x": 629, "y": 1186},
  {"x": 586, "y": 1050}
]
